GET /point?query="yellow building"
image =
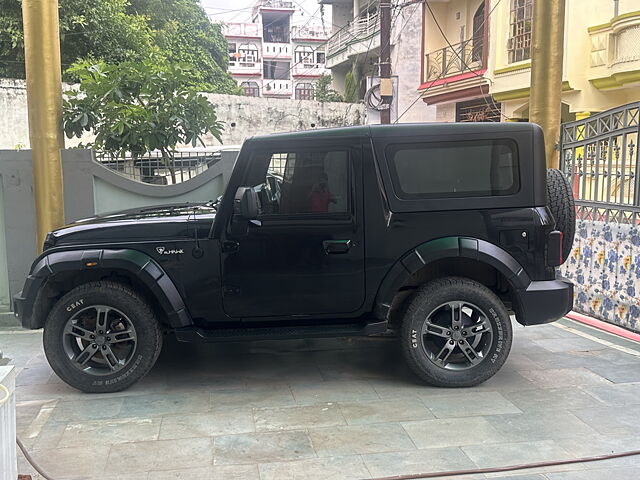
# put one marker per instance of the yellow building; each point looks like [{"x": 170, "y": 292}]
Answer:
[{"x": 477, "y": 58}]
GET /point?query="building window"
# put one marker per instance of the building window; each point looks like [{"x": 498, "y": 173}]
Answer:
[
  {"x": 478, "y": 34},
  {"x": 276, "y": 31},
  {"x": 233, "y": 53},
  {"x": 304, "y": 91},
  {"x": 519, "y": 44},
  {"x": 304, "y": 54},
  {"x": 251, "y": 89},
  {"x": 248, "y": 55},
  {"x": 478, "y": 110},
  {"x": 276, "y": 70},
  {"x": 320, "y": 58}
]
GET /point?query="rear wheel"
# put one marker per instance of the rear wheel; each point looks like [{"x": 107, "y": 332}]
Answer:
[
  {"x": 101, "y": 337},
  {"x": 456, "y": 333}
]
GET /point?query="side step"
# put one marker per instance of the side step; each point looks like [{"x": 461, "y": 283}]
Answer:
[{"x": 199, "y": 335}]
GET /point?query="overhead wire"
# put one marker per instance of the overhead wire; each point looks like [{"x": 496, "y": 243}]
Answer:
[
  {"x": 440, "y": 76},
  {"x": 462, "y": 61},
  {"x": 324, "y": 42}
]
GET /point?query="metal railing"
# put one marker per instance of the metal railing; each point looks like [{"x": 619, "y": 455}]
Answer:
[
  {"x": 599, "y": 155},
  {"x": 274, "y": 4},
  {"x": 241, "y": 29},
  {"x": 360, "y": 29},
  {"x": 452, "y": 60},
  {"x": 306, "y": 32},
  {"x": 153, "y": 169}
]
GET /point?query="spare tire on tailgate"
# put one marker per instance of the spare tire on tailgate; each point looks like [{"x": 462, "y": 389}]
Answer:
[{"x": 560, "y": 202}]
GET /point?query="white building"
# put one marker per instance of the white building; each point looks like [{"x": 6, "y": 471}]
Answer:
[
  {"x": 270, "y": 57},
  {"x": 354, "y": 46}
]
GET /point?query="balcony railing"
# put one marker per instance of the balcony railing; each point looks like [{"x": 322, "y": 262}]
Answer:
[
  {"x": 242, "y": 30},
  {"x": 246, "y": 65},
  {"x": 308, "y": 70},
  {"x": 453, "y": 60},
  {"x": 302, "y": 32},
  {"x": 276, "y": 50},
  {"x": 274, "y": 4},
  {"x": 277, "y": 87},
  {"x": 360, "y": 29},
  {"x": 627, "y": 43}
]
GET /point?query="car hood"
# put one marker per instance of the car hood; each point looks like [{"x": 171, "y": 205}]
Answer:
[{"x": 161, "y": 222}]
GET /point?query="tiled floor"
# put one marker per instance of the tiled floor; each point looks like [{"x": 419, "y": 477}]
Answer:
[{"x": 336, "y": 409}]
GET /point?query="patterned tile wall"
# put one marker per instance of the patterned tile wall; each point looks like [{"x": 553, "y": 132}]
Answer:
[{"x": 605, "y": 268}]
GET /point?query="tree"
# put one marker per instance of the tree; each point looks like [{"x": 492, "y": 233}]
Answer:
[
  {"x": 138, "y": 107},
  {"x": 324, "y": 92},
  {"x": 184, "y": 33},
  {"x": 352, "y": 84},
  {"x": 88, "y": 30},
  {"x": 115, "y": 31}
]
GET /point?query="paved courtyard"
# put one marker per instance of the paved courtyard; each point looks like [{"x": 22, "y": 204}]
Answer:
[{"x": 336, "y": 409}]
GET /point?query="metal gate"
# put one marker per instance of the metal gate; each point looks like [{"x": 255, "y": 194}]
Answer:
[{"x": 599, "y": 154}]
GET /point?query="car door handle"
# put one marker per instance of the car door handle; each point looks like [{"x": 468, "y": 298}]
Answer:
[{"x": 336, "y": 246}]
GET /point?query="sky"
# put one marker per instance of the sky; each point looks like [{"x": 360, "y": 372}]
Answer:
[{"x": 240, "y": 11}]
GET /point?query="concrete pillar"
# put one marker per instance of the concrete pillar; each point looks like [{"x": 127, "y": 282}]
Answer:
[{"x": 8, "y": 453}]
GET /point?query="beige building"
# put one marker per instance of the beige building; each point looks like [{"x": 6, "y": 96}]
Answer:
[{"x": 479, "y": 67}]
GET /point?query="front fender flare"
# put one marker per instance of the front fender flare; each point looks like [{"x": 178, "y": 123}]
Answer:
[
  {"x": 446, "y": 247},
  {"x": 137, "y": 263}
]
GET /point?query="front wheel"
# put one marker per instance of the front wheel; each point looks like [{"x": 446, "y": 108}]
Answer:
[
  {"x": 456, "y": 333},
  {"x": 101, "y": 337}
]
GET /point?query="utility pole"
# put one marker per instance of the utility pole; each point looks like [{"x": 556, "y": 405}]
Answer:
[
  {"x": 547, "y": 51},
  {"x": 44, "y": 100},
  {"x": 386, "y": 85}
]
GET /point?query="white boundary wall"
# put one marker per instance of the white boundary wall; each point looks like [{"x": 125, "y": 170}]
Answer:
[{"x": 243, "y": 116}]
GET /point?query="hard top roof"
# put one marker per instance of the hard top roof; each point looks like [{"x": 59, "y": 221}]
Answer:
[{"x": 401, "y": 129}]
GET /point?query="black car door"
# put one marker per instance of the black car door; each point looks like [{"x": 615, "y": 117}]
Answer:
[{"x": 305, "y": 253}]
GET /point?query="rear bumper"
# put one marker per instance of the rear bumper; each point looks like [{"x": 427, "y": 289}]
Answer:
[{"x": 544, "y": 301}]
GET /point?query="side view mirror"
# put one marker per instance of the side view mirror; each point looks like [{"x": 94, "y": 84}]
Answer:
[{"x": 246, "y": 204}]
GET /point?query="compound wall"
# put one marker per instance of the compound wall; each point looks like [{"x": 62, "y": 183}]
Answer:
[{"x": 243, "y": 116}]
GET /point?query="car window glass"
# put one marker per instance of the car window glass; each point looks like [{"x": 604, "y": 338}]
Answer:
[
  {"x": 302, "y": 182},
  {"x": 454, "y": 169}
]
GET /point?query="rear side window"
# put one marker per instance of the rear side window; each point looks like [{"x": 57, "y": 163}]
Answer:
[{"x": 474, "y": 168}]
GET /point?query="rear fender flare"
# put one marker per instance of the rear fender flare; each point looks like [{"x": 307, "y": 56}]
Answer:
[
  {"x": 446, "y": 247},
  {"x": 138, "y": 264}
]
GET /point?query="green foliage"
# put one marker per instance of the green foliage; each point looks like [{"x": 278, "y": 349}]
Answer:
[
  {"x": 351, "y": 85},
  {"x": 184, "y": 33},
  {"x": 11, "y": 38},
  {"x": 115, "y": 31},
  {"x": 97, "y": 29},
  {"x": 324, "y": 92},
  {"x": 139, "y": 107}
]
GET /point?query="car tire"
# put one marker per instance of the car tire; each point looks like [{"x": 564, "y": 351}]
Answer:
[
  {"x": 482, "y": 339},
  {"x": 102, "y": 337},
  {"x": 561, "y": 203}
]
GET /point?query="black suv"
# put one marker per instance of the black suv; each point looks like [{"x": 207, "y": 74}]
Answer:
[{"x": 439, "y": 232}]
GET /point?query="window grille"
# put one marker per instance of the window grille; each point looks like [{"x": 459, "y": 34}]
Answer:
[{"x": 520, "y": 23}]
